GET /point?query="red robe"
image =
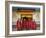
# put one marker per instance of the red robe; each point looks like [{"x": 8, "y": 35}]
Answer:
[
  {"x": 24, "y": 24},
  {"x": 18, "y": 25},
  {"x": 32, "y": 25}
]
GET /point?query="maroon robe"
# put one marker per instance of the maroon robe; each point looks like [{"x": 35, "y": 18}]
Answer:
[
  {"x": 24, "y": 24},
  {"x": 19, "y": 25},
  {"x": 32, "y": 25}
]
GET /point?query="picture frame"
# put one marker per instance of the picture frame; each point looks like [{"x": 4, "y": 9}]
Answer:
[{"x": 9, "y": 5}]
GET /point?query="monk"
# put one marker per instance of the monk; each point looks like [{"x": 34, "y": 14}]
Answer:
[
  {"x": 18, "y": 24},
  {"x": 25, "y": 23},
  {"x": 31, "y": 24}
]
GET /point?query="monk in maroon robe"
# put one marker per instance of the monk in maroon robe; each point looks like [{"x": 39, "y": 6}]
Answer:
[
  {"x": 19, "y": 25},
  {"x": 25, "y": 23},
  {"x": 31, "y": 24}
]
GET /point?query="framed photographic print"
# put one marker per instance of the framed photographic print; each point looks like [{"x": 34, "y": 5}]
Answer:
[{"x": 24, "y": 18}]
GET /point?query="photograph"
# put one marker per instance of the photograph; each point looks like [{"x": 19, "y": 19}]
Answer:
[{"x": 24, "y": 19}]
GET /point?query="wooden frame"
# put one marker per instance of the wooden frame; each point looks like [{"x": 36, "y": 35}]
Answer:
[{"x": 7, "y": 19}]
